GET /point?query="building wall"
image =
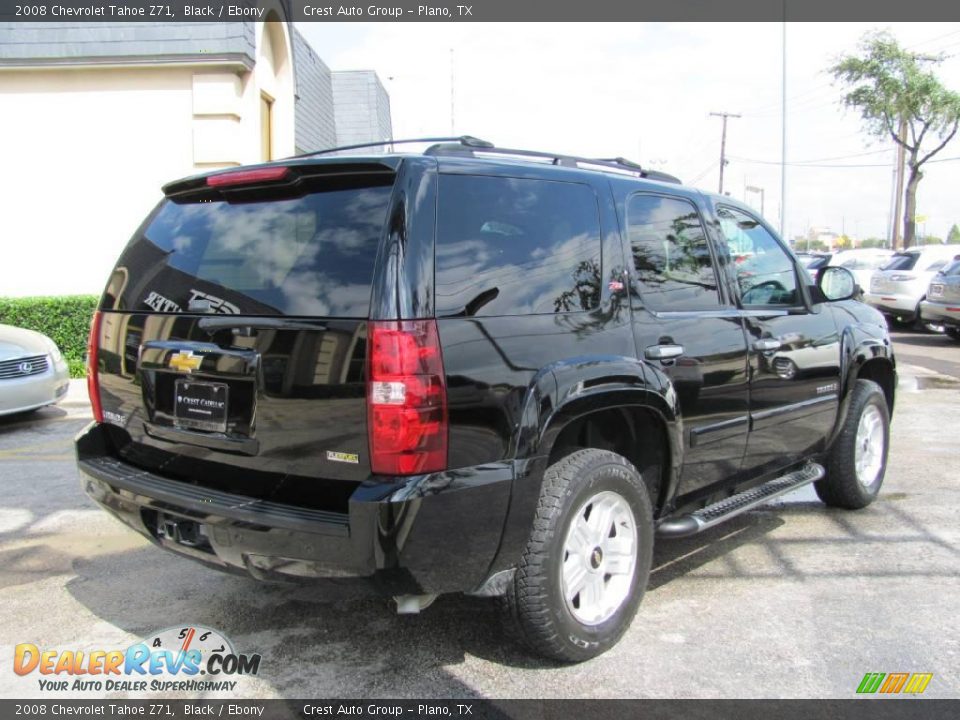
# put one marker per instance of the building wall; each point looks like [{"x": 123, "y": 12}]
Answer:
[
  {"x": 362, "y": 107},
  {"x": 84, "y": 155},
  {"x": 86, "y": 150},
  {"x": 27, "y": 43},
  {"x": 89, "y": 136},
  {"x": 315, "y": 127}
]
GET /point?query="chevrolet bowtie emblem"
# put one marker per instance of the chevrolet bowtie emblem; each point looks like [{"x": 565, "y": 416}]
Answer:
[{"x": 185, "y": 361}]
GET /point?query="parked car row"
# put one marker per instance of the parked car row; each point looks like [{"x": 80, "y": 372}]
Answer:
[
  {"x": 917, "y": 285},
  {"x": 942, "y": 305},
  {"x": 900, "y": 287}
]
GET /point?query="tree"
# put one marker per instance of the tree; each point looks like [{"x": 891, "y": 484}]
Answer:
[
  {"x": 891, "y": 85},
  {"x": 953, "y": 236}
]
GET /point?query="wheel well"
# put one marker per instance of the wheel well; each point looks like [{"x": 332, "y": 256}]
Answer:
[
  {"x": 635, "y": 433},
  {"x": 881, "y": 372}
]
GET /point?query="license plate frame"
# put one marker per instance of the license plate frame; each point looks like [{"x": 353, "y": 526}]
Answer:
[
  {"x": 936, "y": 289},
  {"x": 201, "y": 405}
]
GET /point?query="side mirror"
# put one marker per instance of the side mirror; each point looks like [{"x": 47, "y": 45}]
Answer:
[{"x": 837, "y": 283}]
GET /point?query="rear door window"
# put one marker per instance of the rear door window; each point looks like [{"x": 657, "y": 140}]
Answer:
[
  {"x": 310, "y": 256},
  {"x": 512, "y": 246}
]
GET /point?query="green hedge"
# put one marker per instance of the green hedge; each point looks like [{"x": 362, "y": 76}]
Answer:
[{"x": 65, "y": 319}]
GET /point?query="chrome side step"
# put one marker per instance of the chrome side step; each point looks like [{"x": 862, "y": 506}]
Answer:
[{"x": 692, "y": 523}]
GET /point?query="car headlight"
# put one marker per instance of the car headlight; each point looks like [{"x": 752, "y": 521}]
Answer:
[{"x": 54, "y": 350}]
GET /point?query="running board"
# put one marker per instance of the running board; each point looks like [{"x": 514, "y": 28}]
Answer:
[{"x": 692, "y": 523}]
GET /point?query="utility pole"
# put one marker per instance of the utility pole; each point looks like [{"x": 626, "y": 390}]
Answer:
[
  {"x": 723, "y": 142},
  {"x": 901, "y": 157},
  {"x": 783, "y": 129},
  {"x": 451, "y": 91}
]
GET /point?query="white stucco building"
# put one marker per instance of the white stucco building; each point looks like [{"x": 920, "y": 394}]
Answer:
[{"x": 97, "y": 116}]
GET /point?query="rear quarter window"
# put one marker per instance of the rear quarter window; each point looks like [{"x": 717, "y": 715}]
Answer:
[{"x": 511, "y": 246}]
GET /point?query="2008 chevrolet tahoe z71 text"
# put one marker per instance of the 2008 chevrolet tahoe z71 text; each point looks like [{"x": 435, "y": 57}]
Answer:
[{"x": 471, "y": 370}]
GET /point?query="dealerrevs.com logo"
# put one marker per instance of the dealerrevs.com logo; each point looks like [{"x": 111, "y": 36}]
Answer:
[{"x": 187, "y": 659}]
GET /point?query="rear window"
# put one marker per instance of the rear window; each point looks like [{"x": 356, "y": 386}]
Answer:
[
  {"x": 953, "y": 269},
  {"x": 510, "y": 246},
  {"x": 902, "y": 261},
  {"x": 310, "y": 256}
]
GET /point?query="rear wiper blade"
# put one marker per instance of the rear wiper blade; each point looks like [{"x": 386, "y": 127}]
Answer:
[{"x": 472, "y": 307}]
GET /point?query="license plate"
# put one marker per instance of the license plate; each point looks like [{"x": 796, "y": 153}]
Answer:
[
  {"x": 936, "y": 290},
  {"x": 200, "y": 405}
]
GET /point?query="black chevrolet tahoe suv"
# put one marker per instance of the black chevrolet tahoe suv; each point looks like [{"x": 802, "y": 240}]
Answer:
[{"x": 471, "y": 369}]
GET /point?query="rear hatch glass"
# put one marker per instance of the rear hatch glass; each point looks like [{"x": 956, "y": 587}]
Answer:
[
  {"x": 902, "y": 261},
  {"x": 310, "y": 255}
]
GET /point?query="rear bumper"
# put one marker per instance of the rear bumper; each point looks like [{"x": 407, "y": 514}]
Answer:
[
  {"x": 427, "y": 534},
  {"x": 898, "y": 305},
  {"x": 940, "y": 313}
]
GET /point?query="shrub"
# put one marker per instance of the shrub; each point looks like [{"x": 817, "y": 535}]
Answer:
[{"x": 64, "y": 319}]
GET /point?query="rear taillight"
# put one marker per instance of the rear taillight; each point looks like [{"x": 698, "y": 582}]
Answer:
[
  {"x": 93, "y": 380},
  {"x": 406, "y": 398}
]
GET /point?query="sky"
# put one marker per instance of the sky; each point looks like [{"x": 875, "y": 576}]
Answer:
[{"x": 645, "y": 91}]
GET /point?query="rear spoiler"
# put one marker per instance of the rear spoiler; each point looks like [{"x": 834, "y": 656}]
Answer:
[{"x": 284, "y": 176}]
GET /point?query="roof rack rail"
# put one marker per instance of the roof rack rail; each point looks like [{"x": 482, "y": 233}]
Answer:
[
  {"x": 465, "y": 140},
  {"x": 461, "y": 149}
]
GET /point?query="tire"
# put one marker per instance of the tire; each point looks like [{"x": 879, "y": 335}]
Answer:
[
  {"x": 849, "y": 484},
  {"x": 953, "y": 333},
  {"x": 593, "y": 620}
]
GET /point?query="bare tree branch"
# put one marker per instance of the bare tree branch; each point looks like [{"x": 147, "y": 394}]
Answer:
[{"x": 941, "y": 146}]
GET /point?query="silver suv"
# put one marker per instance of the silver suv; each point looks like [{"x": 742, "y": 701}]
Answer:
[
  {"x": 942, "y": 306},
  {"x": 898, "y": 288}
]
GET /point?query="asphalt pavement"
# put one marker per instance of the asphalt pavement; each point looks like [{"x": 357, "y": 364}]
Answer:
[{"x": 790, "y": 600}]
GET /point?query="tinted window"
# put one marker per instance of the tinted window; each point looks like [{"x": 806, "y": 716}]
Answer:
[
  {"x": 902, "y": 261},
  {"x": 310, "y": 255},
  {"x": 765, "y": 271},
  {"x": 670, "y": 254},
  {"x": 508, "y": 246},
  {"x": 952, "y": 270}
]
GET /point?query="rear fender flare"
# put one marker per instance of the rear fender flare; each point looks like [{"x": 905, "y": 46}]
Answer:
[{"x": 559, "y": 394}]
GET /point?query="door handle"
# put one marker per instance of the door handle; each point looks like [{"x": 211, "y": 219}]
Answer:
[
  {"x": 663, "y": 352},
  {"x": 766, "y": 345}
]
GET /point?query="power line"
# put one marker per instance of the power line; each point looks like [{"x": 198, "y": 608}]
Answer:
[
  {"x": 710, "y": 167},
  {"x": 811, "y": 165}
]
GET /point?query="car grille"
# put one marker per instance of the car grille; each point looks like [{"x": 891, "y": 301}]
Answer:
[{"x": 23, "y": 367}]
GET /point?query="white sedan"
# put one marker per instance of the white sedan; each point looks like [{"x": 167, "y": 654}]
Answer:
[{"x": 33, "y": 372}]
